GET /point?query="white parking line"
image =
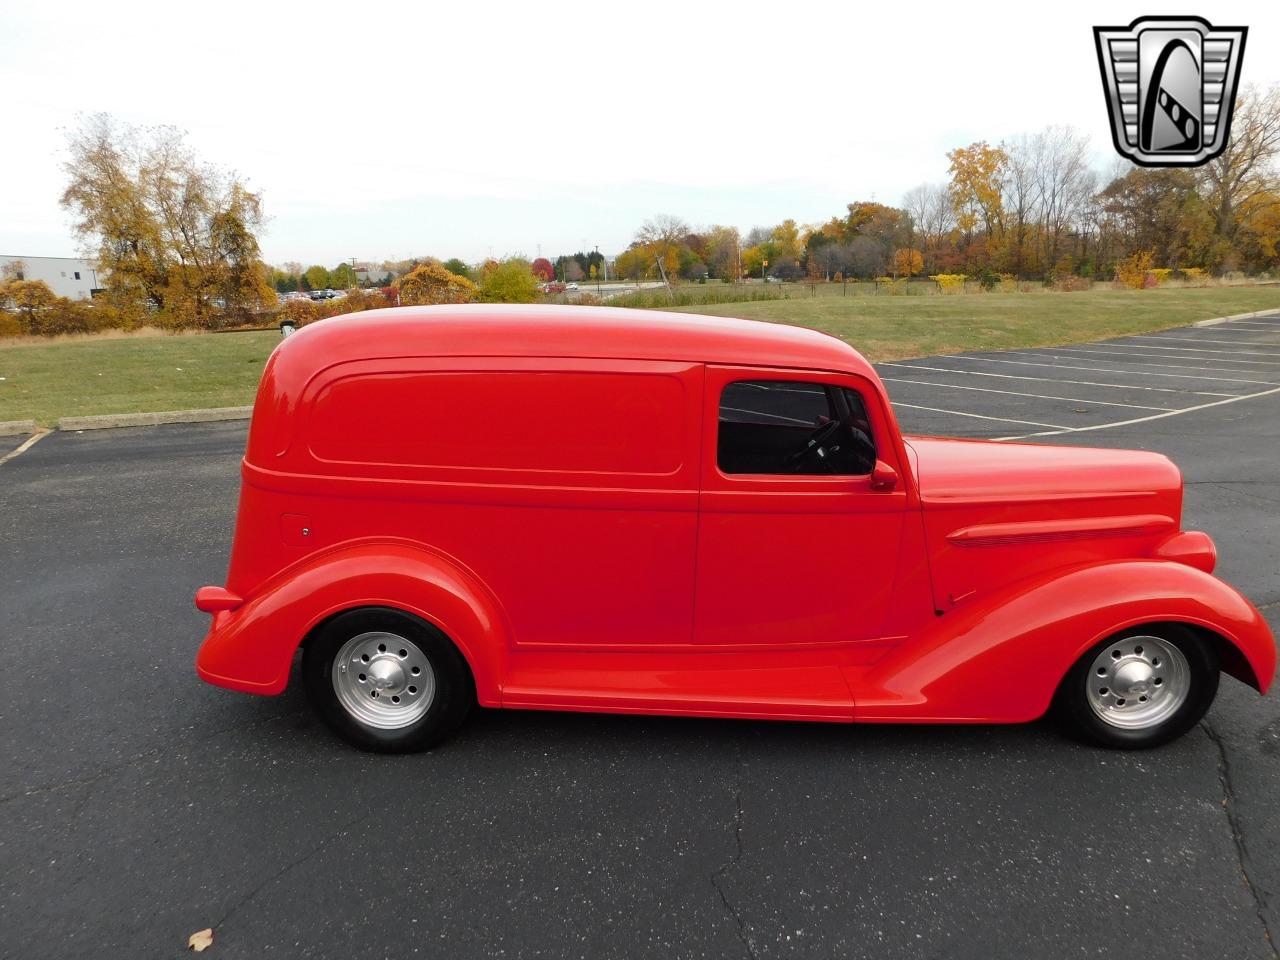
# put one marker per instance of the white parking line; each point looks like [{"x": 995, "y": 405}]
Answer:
[
  {"x": 1265, "y": 324},
  {"x": 1079, "y": 383},
  {"x": 1057, "y": 428},
  {"x": 1154, "y": 416},
  {"x": 1247, "y": 353},
  {"x": 1015, "y": 393},
  {"x": 1229, "y": 343},
  {"x": 1136, "y": 373},
  {"x": 1164, "y": 356},
  {"x": 27, "y": 444},
  {"x": 1080, "y": 353}
]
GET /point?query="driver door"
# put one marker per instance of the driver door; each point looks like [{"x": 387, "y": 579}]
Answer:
[{"x": 796, "y": 545}]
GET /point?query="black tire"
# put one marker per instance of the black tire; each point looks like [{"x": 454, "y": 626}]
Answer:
[
  {"x": 451, "y": 699},
  {"x": 1081, "y": 720}
]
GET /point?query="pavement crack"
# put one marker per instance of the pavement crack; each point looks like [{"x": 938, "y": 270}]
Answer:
[
  {"x": 1237, "y": 833},
  {"x": 288, "y": 868},
  {"x": 92, "y": 779},
  {"x": 733, "y": 862}
]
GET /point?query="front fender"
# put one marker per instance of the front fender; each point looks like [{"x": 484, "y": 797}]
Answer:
[
  {"x": 1001, "y": 658},
  {"x": 251, "y": 647}
]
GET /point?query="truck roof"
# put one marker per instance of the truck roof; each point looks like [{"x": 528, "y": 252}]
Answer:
[{"x": 509, "y": 330}]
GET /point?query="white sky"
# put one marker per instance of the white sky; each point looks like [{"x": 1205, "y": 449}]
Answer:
[{"x": 467, "y": 129}]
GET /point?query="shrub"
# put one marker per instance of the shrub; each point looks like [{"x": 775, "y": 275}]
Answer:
[
  {"x": 1072, "y": 284},
  {"x": 38, "y": 311},
  {"x": 1161, "y": 275},
  {"x": 432, "y": 283},
  {"x": 949, "y": 282},
  {"x": 356, "y": 301},
  {"x": 1132, "y": 271},
  {"x": 298, "y": 312}
]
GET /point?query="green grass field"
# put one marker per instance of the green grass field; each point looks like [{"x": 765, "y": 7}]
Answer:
[
  {"x": 123, "y": 374},
  {"x": 896, "y": 327},
  {"x": 45, "y": 381}
]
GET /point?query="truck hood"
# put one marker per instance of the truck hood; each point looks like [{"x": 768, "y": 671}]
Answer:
[{"x": 997, "y": 512}]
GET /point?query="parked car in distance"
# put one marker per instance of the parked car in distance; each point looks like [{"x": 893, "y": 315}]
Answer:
[
  {"x": 571, "y": 286},
  {"x": 623, "y": 511}
]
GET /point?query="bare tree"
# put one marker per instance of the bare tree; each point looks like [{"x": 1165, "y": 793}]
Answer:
[
  {"x": 1064, "y": 183},
  {"x": 1246, "y": 170},
  {"x": 929, "y": 207},
  {"x": 663, "y": 236}
]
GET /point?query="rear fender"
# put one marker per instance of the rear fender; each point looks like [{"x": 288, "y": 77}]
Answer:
[
  {"x": 1001, "y": 658},
  {"x": 251, "y": 647}
]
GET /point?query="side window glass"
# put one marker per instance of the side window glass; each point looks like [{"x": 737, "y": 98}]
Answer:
[{"x": 793, "y": 427}]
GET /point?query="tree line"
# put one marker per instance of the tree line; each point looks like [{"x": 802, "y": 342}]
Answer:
[
  {"x": 1031, "y": 208},
  {"x": 176, "y": 239}
]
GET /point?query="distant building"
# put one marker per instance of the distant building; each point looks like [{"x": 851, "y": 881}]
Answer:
[
  {"x": 371, "y": 274},
  {"x": 66, "y": 276}
]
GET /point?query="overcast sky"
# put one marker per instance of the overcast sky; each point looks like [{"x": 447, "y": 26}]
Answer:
[{"x": 385, "y": 130}]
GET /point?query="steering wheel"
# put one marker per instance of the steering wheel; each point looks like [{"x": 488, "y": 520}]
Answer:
[{"x": 814, "y": 445}]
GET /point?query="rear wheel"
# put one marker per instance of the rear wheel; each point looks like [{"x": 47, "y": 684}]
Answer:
[
  {"x": 386, "y": 681},
  {"x": 1141, "y": 688}
]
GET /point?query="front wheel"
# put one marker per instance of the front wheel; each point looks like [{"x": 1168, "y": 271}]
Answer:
[
  {"x": 1141, "y": 688},
  {"x": 386, "y": 681}
]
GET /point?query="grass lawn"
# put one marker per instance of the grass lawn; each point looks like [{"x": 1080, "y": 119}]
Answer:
[
  {"x": 67, "y": 378},
  {"x": 123, "y": 374},
  {"x": 896, "y": 327}
]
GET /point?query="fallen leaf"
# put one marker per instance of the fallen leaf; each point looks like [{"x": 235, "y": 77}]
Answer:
[{"x": 201, "y": 940}]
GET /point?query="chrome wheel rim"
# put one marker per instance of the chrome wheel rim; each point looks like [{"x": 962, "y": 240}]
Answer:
[
  {"x": 383, "y": 680},
  {"x": 1138, "y": 682}
]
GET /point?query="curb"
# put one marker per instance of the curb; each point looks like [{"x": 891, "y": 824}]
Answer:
[
  {"x": 108, "y": 420},
  {"x": 14, "y": 428},
  {"x": 1238, "y": 316}
]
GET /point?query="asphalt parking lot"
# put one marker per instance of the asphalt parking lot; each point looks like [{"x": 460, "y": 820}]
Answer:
[{"x": 140, "y": 805}]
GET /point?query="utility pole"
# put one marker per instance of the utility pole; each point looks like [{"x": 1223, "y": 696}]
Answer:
[
  {"x": 354, "y": 281},
  {"x": 597, "y": 249}
]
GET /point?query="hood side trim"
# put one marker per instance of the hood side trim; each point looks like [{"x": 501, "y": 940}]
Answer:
[{"x": 1042, "y": 531}]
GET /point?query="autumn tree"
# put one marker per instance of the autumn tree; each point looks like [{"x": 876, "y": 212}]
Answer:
[
  {"x": 662, "y": 237},
  {"x": 977, "y": 174},
  {"x": 317, "y": 277},
  {"x": 634, "y": 263},
  {"x": 1246, "y": 170},
  {"x": 342, "y": 277},
  {"x": 542, "y": 269},
  {"x": 907, "y": 262},
  {"x": 720, "y": 250},
  {"x": 787, "y": 236},
  {"x": 510, "y": 281},
  {"x": 41, "y": 312},
  {"x": 170, "y": 233},
  {"x": 432, "y": 283}
]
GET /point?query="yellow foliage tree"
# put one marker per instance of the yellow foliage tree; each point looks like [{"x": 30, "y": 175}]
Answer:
[
  {"x": 907, "y": 262},
  {"x": 977, "y": 180},
  {"x": 173, "y": 235}
]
